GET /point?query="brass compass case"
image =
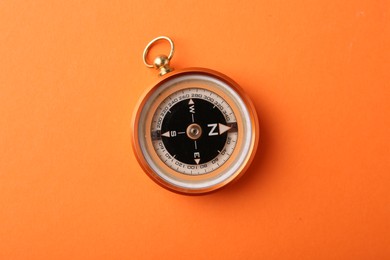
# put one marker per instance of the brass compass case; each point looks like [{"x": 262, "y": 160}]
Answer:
[{"x": 195, "y": 130}]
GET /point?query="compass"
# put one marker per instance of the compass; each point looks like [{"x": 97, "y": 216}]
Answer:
[{"x": 194, "y": 131}]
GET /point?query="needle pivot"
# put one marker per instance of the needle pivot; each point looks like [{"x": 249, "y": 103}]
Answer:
[{"x": 194, "y": 131}]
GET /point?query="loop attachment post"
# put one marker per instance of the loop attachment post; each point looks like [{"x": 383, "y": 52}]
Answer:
[{"x": 161, "y": 62}]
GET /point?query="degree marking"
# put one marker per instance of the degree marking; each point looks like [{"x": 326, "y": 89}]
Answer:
[{"x": 229, "y": 127}]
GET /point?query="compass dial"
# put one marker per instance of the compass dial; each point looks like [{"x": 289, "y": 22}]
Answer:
[{"x": 195, "y": 131}]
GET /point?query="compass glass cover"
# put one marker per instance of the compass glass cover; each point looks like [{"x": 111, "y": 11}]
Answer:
[{"x": 195, "y": 132}]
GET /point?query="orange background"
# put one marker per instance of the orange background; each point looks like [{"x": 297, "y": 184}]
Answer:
[{"x": 317, "y": 71}]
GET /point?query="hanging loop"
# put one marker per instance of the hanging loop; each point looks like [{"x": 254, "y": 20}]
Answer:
[{"x": 154, "y": 41}]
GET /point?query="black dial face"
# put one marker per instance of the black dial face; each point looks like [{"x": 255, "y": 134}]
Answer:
[
  {"x": 195, "y": 122},
  {"x": 194, "y": 131}
]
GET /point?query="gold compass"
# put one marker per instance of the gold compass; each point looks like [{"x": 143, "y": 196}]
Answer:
[{"x": 194, "y": 131}]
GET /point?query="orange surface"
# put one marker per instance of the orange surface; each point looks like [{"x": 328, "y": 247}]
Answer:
[{"x": 317, "y": 71}]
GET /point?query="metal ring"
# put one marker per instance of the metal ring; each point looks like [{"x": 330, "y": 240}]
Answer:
[{"x": 150, "y": 44}]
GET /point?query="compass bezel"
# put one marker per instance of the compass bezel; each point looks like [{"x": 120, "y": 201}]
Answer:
[{"x": 245, "y": 149}]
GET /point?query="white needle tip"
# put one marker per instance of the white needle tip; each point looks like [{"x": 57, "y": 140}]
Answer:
[{"x": 223, "y": 128}]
